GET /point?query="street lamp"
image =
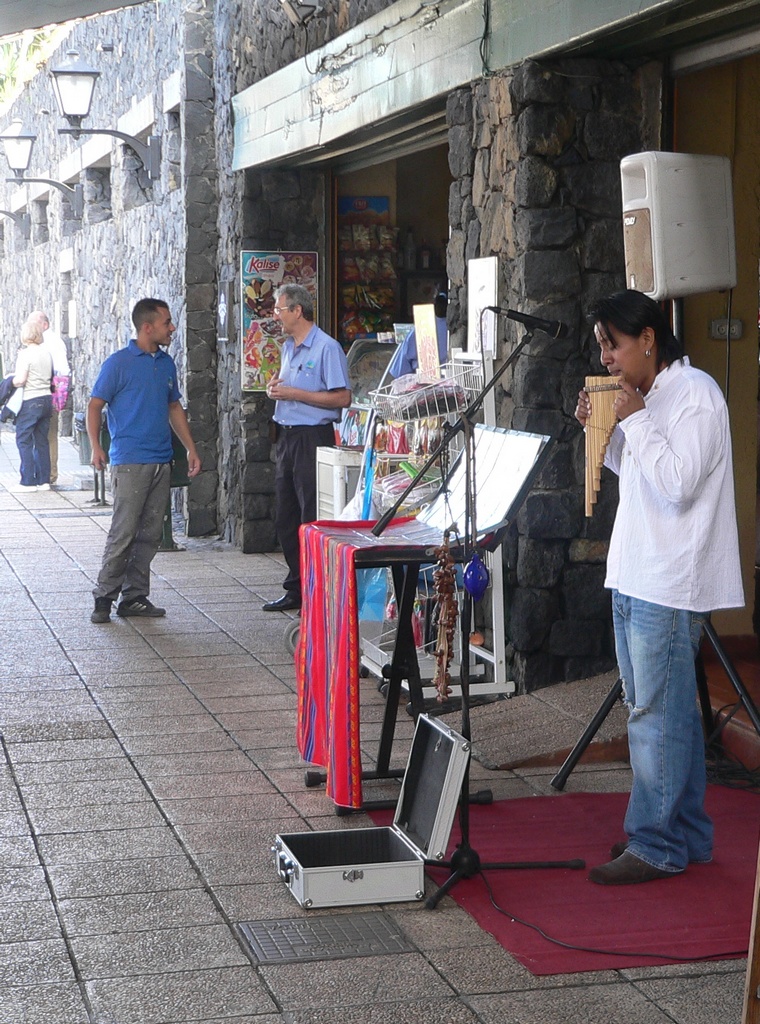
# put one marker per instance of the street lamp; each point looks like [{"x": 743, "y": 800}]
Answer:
[
  {"x": 74, "y": 84},
  {"x": 21, "y": 220},
  {"x": 18, "y": 146}
]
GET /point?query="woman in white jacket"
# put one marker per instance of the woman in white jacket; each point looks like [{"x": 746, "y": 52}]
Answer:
[
  {"x": 673, "y": 558},
  {"x": 34, "y": 373}
]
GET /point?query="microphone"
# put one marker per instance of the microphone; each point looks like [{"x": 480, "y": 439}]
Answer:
[{"x": 555, "y": 328}]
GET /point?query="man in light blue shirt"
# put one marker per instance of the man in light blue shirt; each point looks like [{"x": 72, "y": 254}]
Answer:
[{"x": 311, "y": 389}]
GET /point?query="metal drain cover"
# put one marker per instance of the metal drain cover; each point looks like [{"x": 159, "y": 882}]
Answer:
[{"x": 295, "y": 940}]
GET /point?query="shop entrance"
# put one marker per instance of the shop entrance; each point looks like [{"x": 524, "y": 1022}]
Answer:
[{"x": 390, "y": 229}]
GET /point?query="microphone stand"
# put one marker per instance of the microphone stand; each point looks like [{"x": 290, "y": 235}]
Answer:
[{"x": 465, "y": 861}]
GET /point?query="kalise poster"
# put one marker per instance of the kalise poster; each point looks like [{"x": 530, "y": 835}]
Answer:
[{"x": 261, "y": 274}]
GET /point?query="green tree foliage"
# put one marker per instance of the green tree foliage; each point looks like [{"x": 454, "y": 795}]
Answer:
[{"x": 21, "y": 57}]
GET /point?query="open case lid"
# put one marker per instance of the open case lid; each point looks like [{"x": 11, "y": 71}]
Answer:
[{"x": 431, "y": 786}]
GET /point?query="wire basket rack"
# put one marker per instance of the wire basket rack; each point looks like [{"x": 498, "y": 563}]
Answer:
[{"x": 459, "y": 385}]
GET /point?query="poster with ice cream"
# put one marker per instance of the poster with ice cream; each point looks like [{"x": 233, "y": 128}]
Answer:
[{"x": 261, "y": 273}]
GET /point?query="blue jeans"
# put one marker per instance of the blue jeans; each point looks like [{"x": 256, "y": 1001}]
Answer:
[
  {"x": 656, "y": 646},
  {"x": 32, "y": 425}
]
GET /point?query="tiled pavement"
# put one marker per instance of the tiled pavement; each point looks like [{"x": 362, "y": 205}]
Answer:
[{"x": 146, "y": 767}]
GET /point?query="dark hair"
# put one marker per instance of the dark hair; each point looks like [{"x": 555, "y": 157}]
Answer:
[
  {"x": 630, "y": 312},
  {"x": 296, "y": 295},
  {"x": 146, "y": 310}
]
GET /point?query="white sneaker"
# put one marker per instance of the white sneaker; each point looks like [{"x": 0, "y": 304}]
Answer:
[
  {"x": 43, "y": 487},
  {"x": 23, "y": 488}
]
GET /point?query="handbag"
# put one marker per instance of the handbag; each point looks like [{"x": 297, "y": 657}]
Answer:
[{"x": 60, "y": 389}]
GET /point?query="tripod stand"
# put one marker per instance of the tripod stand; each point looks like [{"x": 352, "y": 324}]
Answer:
[
  {"x": 559, "y": 780},
  {"x": 466, "y": 862}
]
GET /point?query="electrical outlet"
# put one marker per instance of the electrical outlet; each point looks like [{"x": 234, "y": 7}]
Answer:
[{"x": 719, "y": 329}]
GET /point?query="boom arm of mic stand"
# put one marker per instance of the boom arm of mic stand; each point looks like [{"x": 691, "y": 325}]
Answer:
[{"x": 451, "y": 431}]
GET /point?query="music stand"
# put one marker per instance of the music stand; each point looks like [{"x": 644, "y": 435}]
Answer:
[{"x": 466, "y": 480}]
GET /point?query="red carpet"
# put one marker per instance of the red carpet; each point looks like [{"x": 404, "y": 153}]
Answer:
[{"x": 704, "y": 913}]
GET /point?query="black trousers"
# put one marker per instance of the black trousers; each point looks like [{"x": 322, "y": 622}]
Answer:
[{"x": 295, "y": 488}]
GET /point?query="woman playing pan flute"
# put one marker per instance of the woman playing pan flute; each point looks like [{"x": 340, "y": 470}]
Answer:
[{"x": 673, "y": 558}]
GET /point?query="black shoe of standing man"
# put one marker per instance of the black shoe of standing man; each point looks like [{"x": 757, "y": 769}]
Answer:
[{"x": 289, "y": 601}]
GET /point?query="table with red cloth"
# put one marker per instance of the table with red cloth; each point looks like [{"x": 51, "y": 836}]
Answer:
[{"x": 328, "y": 655}]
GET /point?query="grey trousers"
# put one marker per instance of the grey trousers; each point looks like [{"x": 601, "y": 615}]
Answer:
[{"x": 140, "y": 500}]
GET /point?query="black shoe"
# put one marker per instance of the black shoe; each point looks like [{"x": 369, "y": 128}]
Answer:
[
  {"x": 627, "y": 870},
  {"x": 287, "y": 603},
  {"x": 102, "y": 611},
  {"x": 140, "y": 607}
]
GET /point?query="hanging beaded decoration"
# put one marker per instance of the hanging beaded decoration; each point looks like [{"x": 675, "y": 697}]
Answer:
[{"x": 447, "y": 608}]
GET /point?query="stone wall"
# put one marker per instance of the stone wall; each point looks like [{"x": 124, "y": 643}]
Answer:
[
  {"x": 137, "y": 237},
  {"x": 261, "y": 210},
  {"x": 535, "y": 155}
]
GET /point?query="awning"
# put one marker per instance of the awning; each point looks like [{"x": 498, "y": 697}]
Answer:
[
  {"x": 18, "y": 15},
  {"x": 374, "y": 86}
]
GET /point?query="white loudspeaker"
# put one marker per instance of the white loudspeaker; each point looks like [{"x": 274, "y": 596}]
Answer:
[{"x": 678, "y": 223}]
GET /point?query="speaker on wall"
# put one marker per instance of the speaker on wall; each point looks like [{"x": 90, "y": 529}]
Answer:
[{"x": 678, "y": 223}]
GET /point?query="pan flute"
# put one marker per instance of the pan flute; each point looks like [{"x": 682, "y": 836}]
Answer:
[{"x": 599, "y": 427}]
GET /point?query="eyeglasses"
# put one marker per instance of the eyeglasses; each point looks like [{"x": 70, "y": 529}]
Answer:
[{"x": 281, "y": 309}]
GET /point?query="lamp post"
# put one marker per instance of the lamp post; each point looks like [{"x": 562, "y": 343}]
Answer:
[
  {"x": 18, "y": 145},
  {"x": 74, "y": 84}
]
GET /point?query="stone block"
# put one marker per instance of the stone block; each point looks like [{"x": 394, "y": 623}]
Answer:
[
  {"x": 257, "y": 535},
  {"x": 609, "y": 135},
  {"x": 531, "y": 612},
  {"x": 480, "y": 178},
  {"x": 594, "y": 188},
  {"x": 532, "y": 83},
  {"x": 576, "y": 638},
  {"x": 202, "y": 489},
  {"x": 550, "y": 515},
  {"x": 279, "y": 185},
  {"x": 558, "y": 471},
  {"x": 535, "y": 182},
  {"x": 539, "y": 563},
  {"x": 201, "y": 522},
  {"x": 455, "y": 265},
  {"x": 545, "y": 228},
  {"x": 257, "y": 506},
  {"x": 539, "y": 421},
  {"x": 493, "y": 228},
  {"x": 533, "y": 670},
  {"x": 583, "y": 550},
  {"x": 472, "y": 246},
  {"x": 587, "y": 668},
  {"x": 602, "y": 247},
  {"x": 258, "y": 478},
  {"x": 545, "y": 131},
  {"x": 460, "y": 150},
  {"x": 455, "y": 205},
  {"x": 583, "y": 592},
  {"x": 548, "y": 275},
  {"x": 536, "y": 382},
  {"x": 459, "y": 107}
]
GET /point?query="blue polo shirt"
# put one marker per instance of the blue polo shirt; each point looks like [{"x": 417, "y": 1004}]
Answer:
[
  {"x": 317, "y": 364},
  {"x": 138, "y": 388}
]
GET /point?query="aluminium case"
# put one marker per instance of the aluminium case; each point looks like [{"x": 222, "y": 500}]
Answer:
[{"x": 348, "y": 867}]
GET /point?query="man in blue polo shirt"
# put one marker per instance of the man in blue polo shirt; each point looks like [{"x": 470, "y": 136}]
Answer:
[
  {"x": 311, "y": 389},
  {"x": 138, "y": 388}
]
